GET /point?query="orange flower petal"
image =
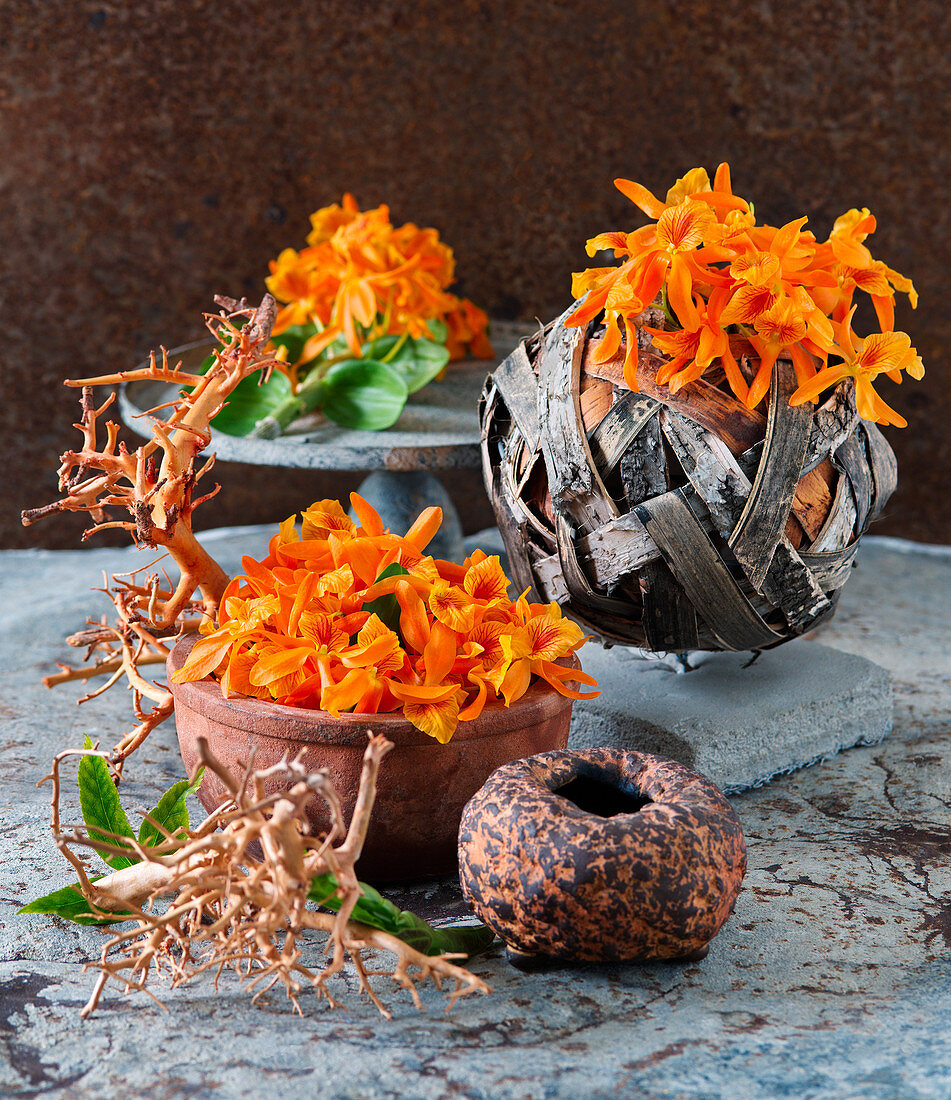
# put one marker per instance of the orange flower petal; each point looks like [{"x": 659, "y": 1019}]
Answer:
[
  {"x": 206, "y": 655},
  {"x": 452, "y": 606},
  {"x": 414, "y": 622},
  {"x": 440, "y": 653},
  {"x": 610, "y": 342},
  {"x": 438, "y": 720},
  {"x": 486, "y": 580},
  {"x": 325, "y": 516},
  {"x": 474, "y": 708},
  {"x": 277, "y": 664},
  {"x": 811, "y": 389},
  {"x": 347, "y": 693},
  {"x": 423, "y": 693},
  {"x": 515, "y": 682},
  {"x": 424, "y": 529},
  {"x": 640, "y": 196},
  {"x": 555, "y": 676},
  {"x": 764, "y": 374},
  {"x": 368, "y": 516}
]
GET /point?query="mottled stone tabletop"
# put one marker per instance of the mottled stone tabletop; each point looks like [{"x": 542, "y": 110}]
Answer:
[{"x": 830, "y": 980}]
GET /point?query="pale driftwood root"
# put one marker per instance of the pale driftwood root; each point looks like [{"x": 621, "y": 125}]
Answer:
[{"x": 229, "y": 908}]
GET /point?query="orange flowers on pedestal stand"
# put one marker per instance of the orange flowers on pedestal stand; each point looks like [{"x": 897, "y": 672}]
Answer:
[{"x": 361, "y": 277}]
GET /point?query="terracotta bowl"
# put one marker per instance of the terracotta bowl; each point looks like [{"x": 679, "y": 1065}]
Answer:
[
  {"x": 423, "y": 786},
  {"x": 601, "y": 855}
]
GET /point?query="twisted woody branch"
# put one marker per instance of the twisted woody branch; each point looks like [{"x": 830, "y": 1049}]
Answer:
[
  {"x": 155, "y": 486},
  {"x": 158, "y": 495}
]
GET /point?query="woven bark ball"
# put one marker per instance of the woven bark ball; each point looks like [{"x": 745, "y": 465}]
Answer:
[
  {"x": 675, "y": 521},
  {"x": 601, "y": 855}
]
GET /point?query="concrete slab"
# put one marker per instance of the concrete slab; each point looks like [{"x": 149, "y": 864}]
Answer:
[
  {"x": 736, "y": 722},
  {"x": 794, "y": 706}
]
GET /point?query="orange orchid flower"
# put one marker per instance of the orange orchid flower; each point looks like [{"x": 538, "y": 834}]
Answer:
[
  {"x": 714, "y": 271},
  {"x": 318, "y": 623},
  {"x": 864, "y": 359},
  {"x": 362, "y": 277}
]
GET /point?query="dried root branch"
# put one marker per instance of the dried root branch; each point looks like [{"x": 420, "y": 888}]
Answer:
[
  {"x": 155, "y": 487},
  {"x": 238, "y": 887},
  {"x": 155, "y": 483},
  {"x": 122, "y": 649}
]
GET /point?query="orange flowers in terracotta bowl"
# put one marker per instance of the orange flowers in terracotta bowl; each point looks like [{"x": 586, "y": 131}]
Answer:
[
  {"x": 341, "y": 617},
  {"x": 346, "y": 627}
]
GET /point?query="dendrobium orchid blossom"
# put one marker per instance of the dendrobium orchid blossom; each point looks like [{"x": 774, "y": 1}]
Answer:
[
  {"x": 360, "y": 277},
  {"x": 714, "y": 272},
  {"x": 343, "y": 615}
]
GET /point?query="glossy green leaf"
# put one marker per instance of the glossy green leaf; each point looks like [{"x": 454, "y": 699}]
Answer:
[
  {"x": 251, "y": 401},
  {"x": 363, "y": 393},
  {"x": 375, "y": 911},
  {"x": 418, "y": 361},
  {"x": 70, "y": 904},
  {"x": 99, "y": 801},
  {"x": 171, "y": 812},
  {"x": 381, "y": 348},
  {"x": 102, "y": 812},
  {"x": 387, "y": 607},
  {"x": 438, "y": 330}
]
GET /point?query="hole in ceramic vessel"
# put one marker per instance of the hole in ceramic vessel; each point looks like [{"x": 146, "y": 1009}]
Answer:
[{"x": 599, "y": 796}]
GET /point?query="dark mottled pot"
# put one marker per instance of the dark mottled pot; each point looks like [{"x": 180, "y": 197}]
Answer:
[
  {"x": 422, "y": 787},
  {"x": 555, "y": 880}
]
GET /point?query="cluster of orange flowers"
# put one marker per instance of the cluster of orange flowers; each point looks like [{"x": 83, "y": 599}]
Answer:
[
  {"x": 360, "y": 269},
  {"x": 789, "y": 293},
  {"x": 308, "y": 626}
]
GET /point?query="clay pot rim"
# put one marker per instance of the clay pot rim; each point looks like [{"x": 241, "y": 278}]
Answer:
[{"x": 274, "y": 720}]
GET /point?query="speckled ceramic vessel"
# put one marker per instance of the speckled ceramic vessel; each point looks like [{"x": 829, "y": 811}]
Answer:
[
  {"x": 601, "y": 855},
  {"x": 422, "y": 786}
]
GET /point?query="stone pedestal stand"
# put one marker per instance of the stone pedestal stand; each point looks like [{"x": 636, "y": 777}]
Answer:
[
  {"x": 438, "y": 432},
  {"x": 739, "y": 723}
]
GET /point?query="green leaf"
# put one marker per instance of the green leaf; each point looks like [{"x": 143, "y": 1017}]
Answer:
[
  {"x": 171, "y": 812},
  {"x": 376, "y": 911},
  {"x": 381, "y": 347},
  {"x": 470, "y": 939},
  {"x": 387, "y": 607},
  {"x": 438, "y": 330},
  {"x": 70, "y": 904},
  {"x": 363, "y": 393},
  {"x": 418, "y": 361},
  {"x": 102, "y": 813},
  {"x": 250, "y": 401}
]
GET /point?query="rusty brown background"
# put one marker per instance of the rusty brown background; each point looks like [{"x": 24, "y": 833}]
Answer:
[{"x": 152, "y": 154}]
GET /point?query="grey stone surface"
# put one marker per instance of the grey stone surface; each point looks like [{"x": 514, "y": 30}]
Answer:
[
  {"x": 737, "y": 722},
  {"x": 832, "y": 978}
]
